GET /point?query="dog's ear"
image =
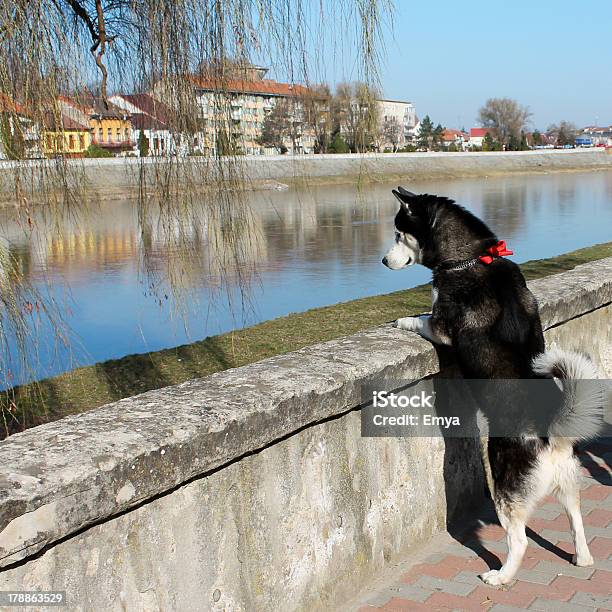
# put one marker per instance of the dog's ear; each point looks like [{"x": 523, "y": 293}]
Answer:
[
  {"x": 404, "y": 197},
  {"x": 405, "y": 192}
]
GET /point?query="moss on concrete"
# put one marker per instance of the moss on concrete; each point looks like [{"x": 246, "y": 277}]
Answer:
[{"x": 92, "y": 386}]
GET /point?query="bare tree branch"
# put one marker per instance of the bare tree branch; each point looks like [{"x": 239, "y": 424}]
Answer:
[{"x": 98, "y": 37}]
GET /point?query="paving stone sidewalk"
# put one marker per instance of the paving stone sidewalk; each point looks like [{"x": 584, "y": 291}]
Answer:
[{"x": 447, "y": 576}]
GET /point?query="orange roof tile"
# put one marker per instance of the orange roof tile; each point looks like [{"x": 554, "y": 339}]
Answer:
[
  {"x": 450, "y": 134},
  {"x": 481, "y": 132},
  {"x": 265, "y": 87},
  {"x": 8, "y": 105}
]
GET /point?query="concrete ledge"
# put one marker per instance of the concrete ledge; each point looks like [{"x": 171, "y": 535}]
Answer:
[
  {"x": 61, "y": 477},
  {"x": 266, "y": 171},
  {"x": 432, "y": 165}
]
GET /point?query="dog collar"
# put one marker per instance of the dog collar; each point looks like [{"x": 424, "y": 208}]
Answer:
[
  {"x": 464, "y": 265},
  {"x": 497, "y": 250}
]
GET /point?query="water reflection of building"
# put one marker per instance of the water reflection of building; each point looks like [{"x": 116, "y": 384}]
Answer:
[
  {"x": 84, "y": 246},
  {"x": 306, "y": 231},
  {"x": 199, "y": 246},
  {"x": 506, "y": 207}
]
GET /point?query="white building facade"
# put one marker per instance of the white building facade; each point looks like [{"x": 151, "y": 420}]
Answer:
[
  {"x": 599, "y": 136},
  {"x": 397, "y": 122},
  {"x": 149, "y": 118}
]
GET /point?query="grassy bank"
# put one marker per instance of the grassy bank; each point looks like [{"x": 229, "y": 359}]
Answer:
[
  {"x": 366, "y": 177},
  {"x": 92, "y": 386}
]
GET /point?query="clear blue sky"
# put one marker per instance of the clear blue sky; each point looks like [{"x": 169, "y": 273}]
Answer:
[{"x": 555, "y": 56}]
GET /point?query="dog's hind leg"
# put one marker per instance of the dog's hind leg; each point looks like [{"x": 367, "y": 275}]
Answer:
[
  {"x": 513, "y": 521},
  {"x": 567, "y": 492}
]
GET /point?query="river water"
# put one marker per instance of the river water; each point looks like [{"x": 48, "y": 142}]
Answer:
[{"x": 124, "y": 288}]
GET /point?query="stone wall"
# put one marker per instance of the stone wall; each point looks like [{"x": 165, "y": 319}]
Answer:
[
  {"x": 116, "y": 177},
  {"x": 252, "y": 489}
]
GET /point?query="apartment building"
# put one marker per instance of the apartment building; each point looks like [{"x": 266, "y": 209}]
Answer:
[
  {"x": 233, "y": 111},
  {"x": 397, "y": 119}
]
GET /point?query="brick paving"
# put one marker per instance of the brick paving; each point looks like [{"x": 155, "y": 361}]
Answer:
[{"x": 446, "y": 575}]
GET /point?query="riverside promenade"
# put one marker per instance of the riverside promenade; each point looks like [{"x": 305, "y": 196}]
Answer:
[{"x": 443, "y": 575}]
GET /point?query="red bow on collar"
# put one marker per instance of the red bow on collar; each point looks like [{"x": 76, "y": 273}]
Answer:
[{"x": 498, "y": 250}]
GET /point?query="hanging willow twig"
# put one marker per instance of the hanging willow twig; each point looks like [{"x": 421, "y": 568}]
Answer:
[{"x": 79, "y": 48}]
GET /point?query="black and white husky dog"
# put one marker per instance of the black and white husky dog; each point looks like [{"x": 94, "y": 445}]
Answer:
[{"x": 484, "y": 310}]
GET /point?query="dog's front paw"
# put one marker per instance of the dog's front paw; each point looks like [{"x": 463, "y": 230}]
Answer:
[
  {"x": 408, "y": 323},
  {"x": 494, "y": 578}
]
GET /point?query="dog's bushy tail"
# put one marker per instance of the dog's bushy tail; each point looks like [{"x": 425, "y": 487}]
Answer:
[{"x": 580, "y": 414}]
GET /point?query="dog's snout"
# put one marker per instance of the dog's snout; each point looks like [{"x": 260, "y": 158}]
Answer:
[{"x": 385, "y": 261}]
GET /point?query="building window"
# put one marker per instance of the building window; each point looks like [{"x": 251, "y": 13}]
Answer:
[
  {"x": 71, "y": 142},
  {"x": 82, "y": 141},
  {"x": 109, "y": 135},
  {"x": 118, "y": 135}
]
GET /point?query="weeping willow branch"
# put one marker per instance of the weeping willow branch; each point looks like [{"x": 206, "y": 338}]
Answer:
[{"x": 84, "y": 49}]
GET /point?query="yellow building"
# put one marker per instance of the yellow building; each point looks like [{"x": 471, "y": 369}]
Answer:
[
  {"x": 111, "y": 127},
  {"x": 65, "y": 136},
  {"x": 112, "y": 130}
]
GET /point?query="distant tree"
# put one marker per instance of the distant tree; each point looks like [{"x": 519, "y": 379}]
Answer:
[
  {"x": 487, "y": 142},
  {"x": 96, "y": 151},
  {"x": 11, "y": 136},
  {"x": 437, "y": 136},
  {"x": 316, "y": 110},
  {"x": 426, "y": 131},
  {"x": 392, "y": 133},
  {"x": 536, "y": 138},
  {"x": 356, "y": 115},
  {"x": 143, "y": 144},
  {"x": 563, "y": 134},
  {"x": 506, "y": 116},
  {"x": 523, "y": 142},
  {"x": 276, "y": 127},
  {"x": 227, "y": 143},
  {"x": 513, "y": 144},
  {"x": 408, "y": 148},
  {"x": 338, "y": 145}
]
